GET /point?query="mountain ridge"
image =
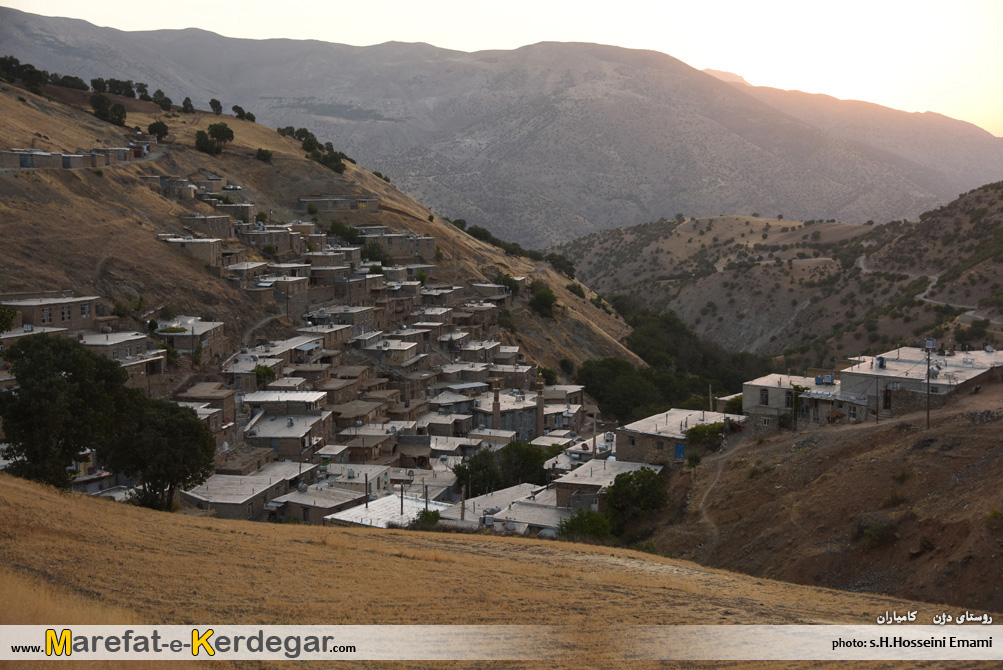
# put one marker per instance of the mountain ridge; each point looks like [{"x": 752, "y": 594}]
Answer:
[{"x": 543, "y": 143}]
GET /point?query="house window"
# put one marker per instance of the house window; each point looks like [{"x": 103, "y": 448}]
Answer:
[
  {"x": 306, "y": 515},
  {"x": 630, "y": 440},
  {"x": 114, "y": 354},
  {"x": 250, "y": 510},
  {"x": 851, "y": 411},
  {"x": 767, "y": 421},
  {"x": 128, "y": 350},
  {"x": 764, "y": 396},
  {"x": 788, "y": 399},
  {"x": 85, "y": 310},
  {"x": 66, "y": 313},
  {"x": 46, "y": 315},
  {"x": 934, "y": 389}
]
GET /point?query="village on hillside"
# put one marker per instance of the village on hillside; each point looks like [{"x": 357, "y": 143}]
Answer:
[{"x": 390, "y": 377}]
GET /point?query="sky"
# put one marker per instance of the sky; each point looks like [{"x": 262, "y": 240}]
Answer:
[{"x": 917, "y": 55}]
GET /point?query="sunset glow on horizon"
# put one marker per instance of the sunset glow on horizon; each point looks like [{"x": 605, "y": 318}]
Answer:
[{"x": 913, "y": 56}]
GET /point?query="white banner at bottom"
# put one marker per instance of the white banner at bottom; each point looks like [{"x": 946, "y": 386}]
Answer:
[{"x": 500, "y": 643}]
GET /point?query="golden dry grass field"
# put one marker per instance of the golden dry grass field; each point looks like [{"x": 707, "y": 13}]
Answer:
[{"x": 70, "y": 558}]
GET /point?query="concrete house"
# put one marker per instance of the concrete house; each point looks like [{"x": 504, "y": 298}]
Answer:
[
  {"x": 246, "y": 496},
  {"x": 661, "y": 438}
]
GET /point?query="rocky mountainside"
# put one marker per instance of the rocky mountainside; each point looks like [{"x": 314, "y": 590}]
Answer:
[
  {"x": 94, "y": 231},
  {"x": 548, "y": 142},
  {"x": 817, "y": 289}
]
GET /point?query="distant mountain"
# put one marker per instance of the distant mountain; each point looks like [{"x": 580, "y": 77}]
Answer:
[
  {"x": 729, "y": 77},
  {"x": 549, "y": 142}
]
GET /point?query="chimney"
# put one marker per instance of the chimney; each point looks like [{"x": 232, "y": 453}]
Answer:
[
  {"x": 539, "y": 404},
  {"x": 496, "y": 410}
]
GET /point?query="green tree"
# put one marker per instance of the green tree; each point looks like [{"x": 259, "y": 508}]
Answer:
[
  {"x": 480, "y": 474},
  {"x": 264, "y": 155},
  {"x": 734, "y": 406},
  {"x": 158, "y": 128},
  {"x": 350, "y": 234},
  {"x": 509, "y": 282},
  {"x": 67, "y": 400},
  {"x": 117, "y": 114},
  {"x": 161, "y": 100},
  {"x": 101, "y": 104},
  {"x": 166, "y": 448},
  {"x": 576, "y": 288},
  {"x": 425, "y": 520},
  {"x": 522, "y": 463},
  {"x": 99, "y": 85},
  {"x": 634, "y": 494},
  {"x": 374, "y": 252},
  {"x": 549, "y": 376},
  {"x": 204, "y": 144},
  {"x": 216, "y": 106},
  {"x": 264, "y": 375},
  {"x": 186, "y": 106},
  {"x": 221, "y": 134},
  {"x": 705, "y": 436},
  {"x": 238, "y": 111},
  {"x": 543, "y": 299},
  {"x": 586, "y": 524},
  {"x": 7, "y": 315}
]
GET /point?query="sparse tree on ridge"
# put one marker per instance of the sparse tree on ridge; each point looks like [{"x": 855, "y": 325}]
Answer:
[
  {"x": 221, "y": 134},
  {"x": 216, "y": 106},
  {"x": 158, "y": 128}
]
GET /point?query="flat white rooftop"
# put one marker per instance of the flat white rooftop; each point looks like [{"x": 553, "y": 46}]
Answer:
[
  {"x": 383, "y": 511},
  {"x": 602, "y": 473},
  {"x": 676, "y": 422},
  {"x": 239, "y": 488}
]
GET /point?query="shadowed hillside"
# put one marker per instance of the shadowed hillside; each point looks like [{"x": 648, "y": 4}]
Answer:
[{"x": 549, "y": 142}]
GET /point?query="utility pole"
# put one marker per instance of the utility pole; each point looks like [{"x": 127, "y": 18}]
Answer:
[{"x": 928, "y": 389}]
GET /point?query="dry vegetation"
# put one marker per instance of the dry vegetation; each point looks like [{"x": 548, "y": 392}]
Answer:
[
  {"x": 887, "y": 508},
  {"x": 94, "y": 231},
  {"x": 85, "y": 559}
]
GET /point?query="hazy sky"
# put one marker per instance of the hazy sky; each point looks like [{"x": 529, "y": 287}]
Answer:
[{"x": 944, "y": 56}]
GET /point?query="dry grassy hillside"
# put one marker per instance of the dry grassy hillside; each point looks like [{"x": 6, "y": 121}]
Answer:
[
  {"x": 98, "y": 560},
  {"x": 94, "y": 231},
  {"x": 883, "y": 507}
]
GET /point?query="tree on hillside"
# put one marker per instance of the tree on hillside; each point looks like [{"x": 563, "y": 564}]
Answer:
[
  {"x": 216, "y": 106},
  {"x": 220, "y": 134},
  {"x": 143, "y": 91},
  {"x": 187, "y": 107},
  {"x": 101, "y": 104},
  {"x": 166, "y": 448},
  {"x": 161, "y": 100},
  {"x": 67, "y": 400},
  {"x": 204, "y": 144},
  {"x": 7, "y": 315},
  {"x": 543, "y": 299},
  {"x": 158, "y": 128},
  {"x": 99, "y": 85},
  {"x": 633, "y": 494},
  {"x": 117, "y": 114},
  {"x": 480, "y": 474},
  {"x": 238, "y": 111}
]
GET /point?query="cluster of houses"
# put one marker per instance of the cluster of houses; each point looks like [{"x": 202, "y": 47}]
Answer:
[
  {"x": 392, "y": 378},
  {"x": 137, "y": 146}
]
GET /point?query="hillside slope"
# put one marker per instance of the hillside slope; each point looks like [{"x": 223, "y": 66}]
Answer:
[
  {"x": 551, "y": 141},
  {"x": 166, "y": 568},
  {"x": 888, "y": 507},
  {"x": 815, "y": 290},
  {"x": 94, "y": 231}
]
